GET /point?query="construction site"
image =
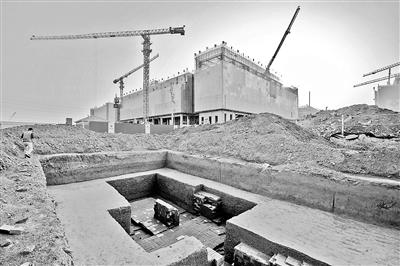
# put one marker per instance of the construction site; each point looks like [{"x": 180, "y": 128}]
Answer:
[{"x": 215, "y": 166}]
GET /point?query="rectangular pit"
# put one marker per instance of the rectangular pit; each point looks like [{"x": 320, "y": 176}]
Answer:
[
  {"x": 142, "y": 191},
  {"x": 179, "y": 189}
]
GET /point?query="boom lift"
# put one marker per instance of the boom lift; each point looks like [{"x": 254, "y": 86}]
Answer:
[
  {"x": 146, "y": 52},
  {"x": 120, "y": 80},
  {"x": 283, "y": 39}
]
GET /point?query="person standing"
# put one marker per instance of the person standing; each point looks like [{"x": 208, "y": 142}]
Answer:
[{"x": 27, "y": 137}]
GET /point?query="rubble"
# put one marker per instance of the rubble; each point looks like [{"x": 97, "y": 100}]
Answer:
[{"x": 359, "y": 119}]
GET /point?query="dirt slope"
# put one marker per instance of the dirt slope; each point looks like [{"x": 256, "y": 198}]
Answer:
[
  {"x": 359, "y": 119},
  {"x": 264, "y": 138}
]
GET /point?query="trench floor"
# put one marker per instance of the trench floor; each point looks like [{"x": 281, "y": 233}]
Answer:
[{"x": 152, "y": 235}]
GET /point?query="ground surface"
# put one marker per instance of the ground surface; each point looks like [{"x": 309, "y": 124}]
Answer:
[{"x": 268, "y": 139}]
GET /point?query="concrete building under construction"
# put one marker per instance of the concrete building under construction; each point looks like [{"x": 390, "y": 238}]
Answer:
[
  {"x": 388, "y": 96},
  {"x": 224, "y": 85}
]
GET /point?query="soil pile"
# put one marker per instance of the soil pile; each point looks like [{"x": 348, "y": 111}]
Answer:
[
  {"x": 263, "y": 138},
  {"x": 52, "y": 139},
  {"x": 359, "y": 119}
]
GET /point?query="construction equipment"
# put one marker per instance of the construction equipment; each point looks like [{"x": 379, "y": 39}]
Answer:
[
  {"x": 377, "y": 80},
  {"x": 120, "y": 80},
  {"x": 389, "y": 67},
  {"x": 282, "y": 40},
  {"x": 146, "y": 51}
]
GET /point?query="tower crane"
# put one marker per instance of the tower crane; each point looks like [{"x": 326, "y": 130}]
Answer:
[
  {"x": 146, "y": 52},
  {"x": 120, "y": 80},
  {"x": 283, "y": 39}
]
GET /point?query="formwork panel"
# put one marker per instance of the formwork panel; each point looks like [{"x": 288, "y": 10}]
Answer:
[
  {"x": 208, "y": 88},
  {"x": 247, "y": 92}
]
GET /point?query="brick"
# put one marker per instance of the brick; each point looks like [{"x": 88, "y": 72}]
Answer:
[{"x": 166, "y": 213}]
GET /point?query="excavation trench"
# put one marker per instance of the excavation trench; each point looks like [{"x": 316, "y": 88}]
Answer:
[{"x": 106, "y": 200}]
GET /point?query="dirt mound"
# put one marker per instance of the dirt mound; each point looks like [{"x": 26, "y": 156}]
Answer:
[
  {"x": 53, "y": 139},
  {"x": 364, "y": 119},
  {"x": 264, "y": 138}
]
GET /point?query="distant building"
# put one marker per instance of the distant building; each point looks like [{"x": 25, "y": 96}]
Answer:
[
  {"x": 84, "y": 122},
  {"x": 225, "y": 85},
  {"x": 306, "y": 110},
  {"x": 229, "y": 85},
  {"x": 174, "y": 95},
  {"x": 388, "y": 96},
  {"x": 107, "y": 112}
]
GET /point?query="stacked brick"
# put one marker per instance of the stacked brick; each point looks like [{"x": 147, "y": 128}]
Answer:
[
  {"x": 207, "y": 204},
  {"x": 166, "y": 213}
]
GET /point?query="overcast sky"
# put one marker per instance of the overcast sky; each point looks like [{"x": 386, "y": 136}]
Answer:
[{"x": 331, "y": 45}]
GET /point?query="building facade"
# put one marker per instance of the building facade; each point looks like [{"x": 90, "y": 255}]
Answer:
[
  {"x": 170, "y": 98},
  {"x": 388, "y": 96},
  {"x": 225, "y": 85},
  {"x": 229, "y": 85},
  {"x": 106, "y": 112}
]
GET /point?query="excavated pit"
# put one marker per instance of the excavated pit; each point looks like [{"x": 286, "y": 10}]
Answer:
[
  {"x": 101, "y": 195},
  {"x": 152, "y": 235}
]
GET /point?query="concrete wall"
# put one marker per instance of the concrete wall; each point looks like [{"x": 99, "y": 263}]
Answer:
[
  {"x": 106, "y": 111},
  {"x": 244, "y": 91},
  {"x": 128, "y": 128},
  {"x": 388, "y": 97},
  {"x": 231, "y": 87},
  {"x": 161, "y": 96},
  {"x": 97, "y": 126},
  {"x": 208, "y": 94}
]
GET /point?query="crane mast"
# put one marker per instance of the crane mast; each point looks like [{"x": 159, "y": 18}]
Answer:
[
  {"x": 146, "y": 52},
  {"x": 120, "y": 80},
  {"x": 283, "y": 39}
]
